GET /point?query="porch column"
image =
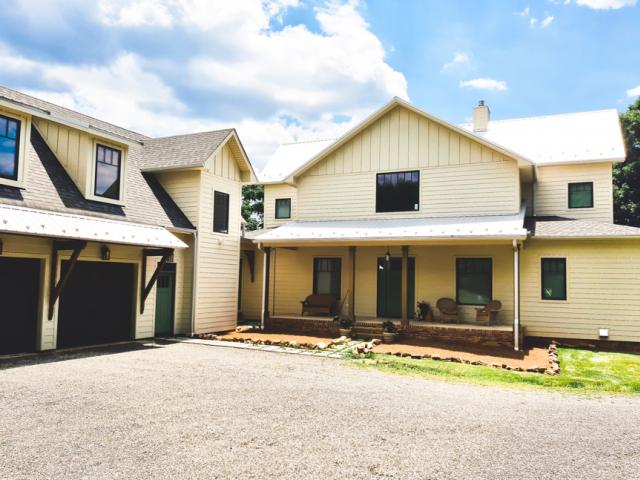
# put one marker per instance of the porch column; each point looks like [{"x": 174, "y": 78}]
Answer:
[
  {"x": 265, "y": 285},
  {"x": 516, "y": 296},
  {"x": 405, "y": 287},
  {"x": 352, "y": 296}
]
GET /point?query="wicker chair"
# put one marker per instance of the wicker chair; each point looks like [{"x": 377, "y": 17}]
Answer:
[
  {"x": 448, "y": 309},
  {"x": 487, "y": 315}
]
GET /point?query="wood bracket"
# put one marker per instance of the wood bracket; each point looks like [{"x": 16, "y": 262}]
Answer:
[
  {"x": 145, "y": 288},
  {"x": 56, "y": 289},
  {"x": 251, "y": 260}
]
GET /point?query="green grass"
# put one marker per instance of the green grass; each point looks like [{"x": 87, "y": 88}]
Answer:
[{"x": 581, "y": 371}]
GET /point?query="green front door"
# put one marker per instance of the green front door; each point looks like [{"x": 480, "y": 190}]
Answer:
[
  {"x": 390, "y": 288},
  {"x": 165, "y": 294}
]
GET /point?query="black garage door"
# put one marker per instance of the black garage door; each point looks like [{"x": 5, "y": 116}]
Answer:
[
  {"x": 19, "y": 286},
  {"x": 96, "y": 305}
]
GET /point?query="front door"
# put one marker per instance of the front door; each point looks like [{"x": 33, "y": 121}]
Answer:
[
  {"x": 390, "y": 287},
  {"x": 165, "y": 294}
]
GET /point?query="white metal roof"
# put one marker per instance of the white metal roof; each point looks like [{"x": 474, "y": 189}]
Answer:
[
  {"x": 567, "y": 138},
  {"x": 480, "y": 227},
  {"x": 289, "y": 157},
  {"x": 30, "y": 221}
]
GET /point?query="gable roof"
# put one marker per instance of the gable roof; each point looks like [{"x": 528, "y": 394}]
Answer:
[
  {"x": 291, "y": 156},
  {"x": 398, "y": 102},
  {"x": 559, "y": 139}
]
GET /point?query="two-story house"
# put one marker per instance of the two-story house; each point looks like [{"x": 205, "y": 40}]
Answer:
[
  {"x": 407, "y": 207},
  {"x": 109, "y": 235}
]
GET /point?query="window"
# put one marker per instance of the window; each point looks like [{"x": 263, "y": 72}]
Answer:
[
  {"x": 220, "y": 212},
  {"x": 283, "y": 208},
  {"x": 398, "y": 192},
  {"x": 326, "y": 276},
  {"x": 108, "y": 164},
  {"x": 581, "y": 195},
  {"x": 473, "y": 281},
  {"x": 554, "y": 278},
  {"x": 9, "y": 145}
]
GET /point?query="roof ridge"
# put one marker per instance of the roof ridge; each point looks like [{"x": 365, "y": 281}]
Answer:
[
  {"x": 72, "y": 111},
  {"x": 552, "y": 115},
  {"x": 192, "y": 134}
]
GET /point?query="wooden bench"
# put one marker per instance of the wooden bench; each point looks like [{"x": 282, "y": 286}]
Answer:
[{"x": 318, "y": 304}]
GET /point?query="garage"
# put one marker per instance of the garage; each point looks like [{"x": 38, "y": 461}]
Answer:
[
  {"x": 96, "y": 305},
  {"x": 19, "y": 295}
]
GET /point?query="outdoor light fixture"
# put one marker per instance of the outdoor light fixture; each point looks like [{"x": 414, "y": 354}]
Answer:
[
  {"x": 387, "y": 256},
  {"x": 105, "y": 253}
]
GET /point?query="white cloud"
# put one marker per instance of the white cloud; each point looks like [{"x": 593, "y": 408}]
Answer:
[
  {"x": 485, "y": 84},
  {"x": 524, "y": 13},
  {"x": 283, "y": 84},
  {"x": 547, "y": 21},
  {"x": 606, "y": 4},
  {"x": 533, "y": 22},
  {"x": 633, "y": 92},
  {"x": 460, "y": 59}
]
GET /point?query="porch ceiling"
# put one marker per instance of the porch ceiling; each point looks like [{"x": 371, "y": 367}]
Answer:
[{"x": 406, "y": 231}]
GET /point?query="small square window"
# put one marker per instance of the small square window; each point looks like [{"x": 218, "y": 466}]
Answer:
[
  {"x": 554, "y": 278},
  {"x": 581, "y": 195},
  {"x": 220, "y": 212},
  {"x": 283, "y": 208},
  {"x": 108, "y": 171},
  {"x": 9, "y": 147}
]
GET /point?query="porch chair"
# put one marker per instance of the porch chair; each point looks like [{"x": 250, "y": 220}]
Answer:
[
  {"x": 448, "y": 309},
  {"x": 487, "y": 315},
  {"x": 318, "y": 304}
]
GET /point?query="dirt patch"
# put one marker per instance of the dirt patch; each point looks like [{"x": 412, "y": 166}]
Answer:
[
  {"x": 274, "y": 338},
  {"x": 532, "y": 359}
]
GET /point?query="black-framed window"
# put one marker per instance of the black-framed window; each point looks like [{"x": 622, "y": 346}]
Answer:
[
  {"x": 9, "y": 147},
  {"x": 220, "y": 212},
  {"x": 283, "y": 208},
  {"x": 327, "y": 276},
  {"x": 473, "y": 281},
  {"x": 108, "y": 170},
  {"x": 581, "y": 195},
  {"x": 398, "y": 191},
  {"x": 554, "y": 278}
]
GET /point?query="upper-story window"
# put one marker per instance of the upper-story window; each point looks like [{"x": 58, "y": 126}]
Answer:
[
  {"x": 398, "y": 191},
  {"x": 220, "y": 212},
  {"x": 581, "y": 195},
  {"x": 283, "y": 208},
  {"x": 9, "y": 146},
  {"x": 108, "y": 172}
]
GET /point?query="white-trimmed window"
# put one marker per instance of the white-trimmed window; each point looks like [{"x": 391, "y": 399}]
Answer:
[{"x": 9, "y": 148}]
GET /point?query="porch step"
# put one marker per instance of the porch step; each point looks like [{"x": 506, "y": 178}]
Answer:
[{"x": 366, "y": 331}]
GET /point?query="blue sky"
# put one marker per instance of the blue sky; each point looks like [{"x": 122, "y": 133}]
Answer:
[{"x": 286, "y": 70}]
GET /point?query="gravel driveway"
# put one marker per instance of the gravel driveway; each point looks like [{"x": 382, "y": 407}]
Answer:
[{"x": 195, "y": 411}]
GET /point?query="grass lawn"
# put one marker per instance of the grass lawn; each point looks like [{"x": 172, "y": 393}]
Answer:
[{"x": 582, "y": 371}]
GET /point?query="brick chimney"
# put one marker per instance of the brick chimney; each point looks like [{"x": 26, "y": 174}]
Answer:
[{"x": 481, "y": 115}]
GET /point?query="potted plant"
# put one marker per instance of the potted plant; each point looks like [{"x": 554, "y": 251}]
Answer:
[
  {"x": 346, "y": 324},
  {"x": 423, "y": 313},
  {"x": 389, "y": 331}
]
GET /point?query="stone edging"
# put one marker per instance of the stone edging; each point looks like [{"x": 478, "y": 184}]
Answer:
[
  {"x": 281, "y": 343},
  {"x": 553, "y": 368}
]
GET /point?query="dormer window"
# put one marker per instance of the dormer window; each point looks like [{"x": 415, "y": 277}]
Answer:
[
  {"x": 9, "y": 146},
  {"x": 108, "y": 172}
]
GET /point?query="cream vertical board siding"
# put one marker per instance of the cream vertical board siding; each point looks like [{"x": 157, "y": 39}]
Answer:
[
  {"x": 35, "y": 247},
  {"x": 184, "y": 285},
  {"x": 251, "y": 292},
  {"x": 74, "y": 149},
  {"x": 552, "y": 190},
  {"x": 184, "y": 188},
  {"x": 273, "y": 192},
  {"x": 457, "y": 175},
  {"x": 292, "y": 276},
  {"x": 218, "y": 253},
  {"x": 603, "y": 290}
]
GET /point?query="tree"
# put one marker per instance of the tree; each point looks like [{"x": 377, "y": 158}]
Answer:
[
  {"x": 253, "y": 206},
  {"x": 626, "y": 176}
]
